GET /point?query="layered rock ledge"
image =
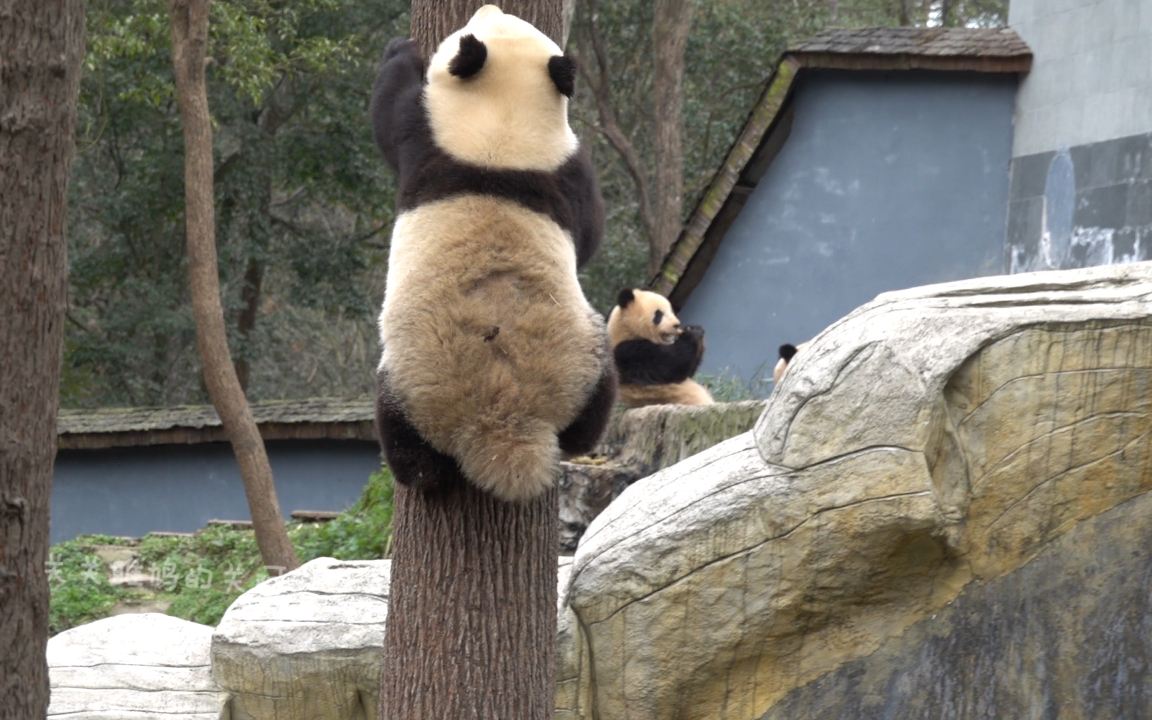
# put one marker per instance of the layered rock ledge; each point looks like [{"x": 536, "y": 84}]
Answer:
[{"x": 942, "y": 512}]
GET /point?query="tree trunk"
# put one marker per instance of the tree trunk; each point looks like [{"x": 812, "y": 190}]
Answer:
[
  {"x": 189, "y": 21},
  {"x": 41, "y": 48},
  {"x": 434, "y": 20},
  {"x": 249, "y": 310},
  {"x": 672, "y": 20},
  {"x": 471, "y": 629}
]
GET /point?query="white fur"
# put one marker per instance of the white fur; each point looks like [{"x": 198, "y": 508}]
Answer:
[{"x": 510, "y": 115}]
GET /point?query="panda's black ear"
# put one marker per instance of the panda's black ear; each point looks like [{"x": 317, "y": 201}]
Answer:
[
  {"x": 469, "y": 58},
  {"x": 625, "y": 297},
  {"x": 787, "y": 352},
  {"x": 562, "y": 70}
]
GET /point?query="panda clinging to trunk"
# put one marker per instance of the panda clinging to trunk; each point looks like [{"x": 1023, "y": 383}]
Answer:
[{"x": 494, "y": 364}]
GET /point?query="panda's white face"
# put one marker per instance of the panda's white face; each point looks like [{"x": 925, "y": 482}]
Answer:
[
  {"x": 647, "y": 316},
  {"x": 509, "y": 114}
]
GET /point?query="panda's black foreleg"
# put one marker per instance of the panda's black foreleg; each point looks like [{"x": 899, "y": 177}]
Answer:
[
  {"x": 412, "y": 460},
  {"x": 582, "y": 436}
]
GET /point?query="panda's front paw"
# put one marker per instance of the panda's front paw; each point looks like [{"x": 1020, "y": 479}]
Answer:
[
  {"x": 693, "y": 331},
  {"x": 400, "y": 45}
]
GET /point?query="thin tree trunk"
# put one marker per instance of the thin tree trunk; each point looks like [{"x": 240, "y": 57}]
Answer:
[
  {"x": 41, "y": 48},
  {"x": 672, "y": 20},
  {"x": 471, "y": 629},
  {"x": 249, "y": 309},
  {"x": 189, "y": 21}
]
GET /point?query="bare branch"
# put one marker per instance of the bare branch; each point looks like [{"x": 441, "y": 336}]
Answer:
[{"x": 608, "y": 126}]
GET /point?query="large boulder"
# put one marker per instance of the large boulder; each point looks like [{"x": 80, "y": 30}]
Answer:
[
  {"x": 134, "y": 667},
  {"x": 306, "y": 645},
  {"x": 309, "y": 645},
  {"x": 942, "y": 512}
]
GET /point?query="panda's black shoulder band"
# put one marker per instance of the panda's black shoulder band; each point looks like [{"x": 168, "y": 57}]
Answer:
[{"x": 470, "y": 58}]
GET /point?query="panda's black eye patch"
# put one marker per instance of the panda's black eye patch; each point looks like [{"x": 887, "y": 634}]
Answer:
[
  {"x": 469, "y": 58},
  {"x": 657, "y": 317}
]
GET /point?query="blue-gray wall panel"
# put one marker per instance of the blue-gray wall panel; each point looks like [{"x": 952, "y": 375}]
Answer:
[
  {"x": 133, "y": 491},
  {"x": 888, "y": 181}
]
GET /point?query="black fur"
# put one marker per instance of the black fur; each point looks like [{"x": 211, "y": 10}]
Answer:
[
  {"x": 643, "y": 362},
  {"x": 570, "y": 195},
  {"x": 625, "y": 298},
  {"x": 469, "y": 58},
  {"x": 412, "y": 460},
  {"x": 562, "y": 70},
  {"x": 787, "y": 352},
  {"x": 583, "y": 435}
]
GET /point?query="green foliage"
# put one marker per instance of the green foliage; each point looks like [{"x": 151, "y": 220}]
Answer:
[
  {"x": 726, "y": 387},
  {"x": 364, "y": 532},
  {"x": 301, "y": 199},
  {"x": 80, "y": 589},
  {"x": 203, "y": 574}
]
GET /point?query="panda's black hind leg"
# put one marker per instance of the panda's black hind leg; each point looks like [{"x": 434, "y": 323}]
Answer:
[
  {"x": 412, "y": 460},
  {"x": 582, "y": 436}
]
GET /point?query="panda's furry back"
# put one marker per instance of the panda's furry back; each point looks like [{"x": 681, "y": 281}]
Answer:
[{"x": 494, "y": 341}]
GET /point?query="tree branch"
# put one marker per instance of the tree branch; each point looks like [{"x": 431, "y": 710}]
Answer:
[{"x": 608, "y": 126}]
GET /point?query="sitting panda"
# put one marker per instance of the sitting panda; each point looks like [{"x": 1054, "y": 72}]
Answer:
[
  {"x": 493, "y": 363},
  {"x": 787, "y": 352},
  {"x": 655, "y": 357}
]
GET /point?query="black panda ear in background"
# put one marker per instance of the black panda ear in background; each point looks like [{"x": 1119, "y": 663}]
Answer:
[
  {"x": 787, "y": 352},
  {"x": 470, "y": 58},
  {"x": 562, "y": 70},
  {"x": 625, "y": 297}
]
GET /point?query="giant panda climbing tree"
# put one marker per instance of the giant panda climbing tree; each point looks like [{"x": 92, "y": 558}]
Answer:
[{"x": 471, "y": 630}]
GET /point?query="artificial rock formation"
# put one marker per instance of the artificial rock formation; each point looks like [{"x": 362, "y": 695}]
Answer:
[
  {"x": 638, "y": 443},
  {"x": 146, "y": 666},
  {"x": 307, "y": 644},
  {"x": 942, "y": 512}
]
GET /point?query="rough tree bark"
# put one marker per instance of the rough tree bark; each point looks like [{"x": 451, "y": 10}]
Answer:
[
  {"x": 471, "y": 630},
  {"x": 434, "y": 20},
  {"x": 41, "y": 48},
  {"x": 189, "y": 24},
  {"x": 669, "y": 40}
]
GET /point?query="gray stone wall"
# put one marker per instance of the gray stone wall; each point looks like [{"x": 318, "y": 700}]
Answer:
[
  {"x": 1081, "y": 190},
  {"x": 1091, "y": 76},
  {"x": 1084, "y": 206}
]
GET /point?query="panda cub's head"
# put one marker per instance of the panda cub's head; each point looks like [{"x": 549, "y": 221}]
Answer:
[
  {"x": 787, "y": 352},
  {"x": 644, "y": 315},
  {"x": 497, "y": 95}
]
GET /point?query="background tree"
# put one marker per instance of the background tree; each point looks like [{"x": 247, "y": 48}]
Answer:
[
  {"x": 41, "y": 48},
  {"x": 301, "y": 200},
  {"x": 471, "y": 630},
  {"x": 188, "y": 20}
]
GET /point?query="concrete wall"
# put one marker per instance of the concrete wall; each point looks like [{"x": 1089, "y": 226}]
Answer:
[
  {"x": 1091, "y": 76},
  {"x": 1081, "y": 191},
  {"x": 133, "y": 491},
  {"x": 888, "y": 180}
]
